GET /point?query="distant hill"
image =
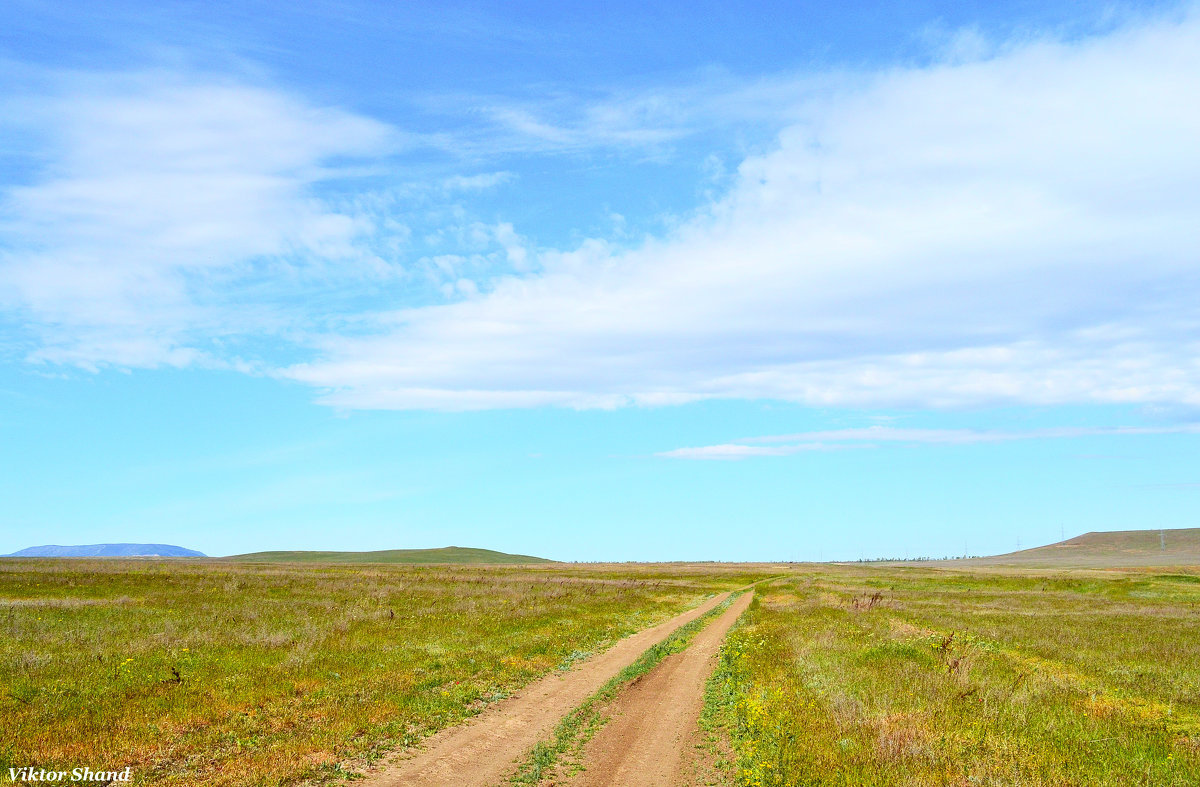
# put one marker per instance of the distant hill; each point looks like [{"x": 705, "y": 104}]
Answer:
[
  {"x": 108, "y": 550},
  {"x": 1119, "y": 548},
  {"x": 443, "y": 555}
]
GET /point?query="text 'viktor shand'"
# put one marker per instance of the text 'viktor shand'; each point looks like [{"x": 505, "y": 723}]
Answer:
[{"x": 29, "y": 774}]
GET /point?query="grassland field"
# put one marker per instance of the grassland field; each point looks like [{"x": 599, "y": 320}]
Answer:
[
  {"x": 915, "y": 676},
  {"x": 202, "y": 672},
  {"x": 216, "y": 673}
]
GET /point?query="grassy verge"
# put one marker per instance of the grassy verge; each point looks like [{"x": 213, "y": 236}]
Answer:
[
  {"x": 718, "y": 717},
  {"x": 902, "y": 676},
  {"x": 578, "y": 726},
  {"x": 221, "y": 674}
]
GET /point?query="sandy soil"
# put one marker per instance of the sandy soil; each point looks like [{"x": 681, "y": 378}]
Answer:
[
  {"x": 653, "y": 736},
  {"x": 484, "y": 750}
]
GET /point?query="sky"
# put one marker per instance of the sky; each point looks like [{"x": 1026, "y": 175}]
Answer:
[{"x": 628, "y": 281}]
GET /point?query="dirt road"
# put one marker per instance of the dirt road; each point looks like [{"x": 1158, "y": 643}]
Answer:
[
  {"x": 482, "y": 751},
  {"x": 651, "y": 738}
]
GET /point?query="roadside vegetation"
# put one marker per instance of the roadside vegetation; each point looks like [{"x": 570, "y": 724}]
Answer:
[
  {"x": 222, "y": 674},
  {"x": 905, "y": 676}
]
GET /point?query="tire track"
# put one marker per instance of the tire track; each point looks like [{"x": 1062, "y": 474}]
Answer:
[
  {"x": 654, "y": 721},
  {"x": 483, "y": 750}
]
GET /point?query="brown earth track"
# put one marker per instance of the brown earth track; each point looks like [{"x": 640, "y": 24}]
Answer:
[
  {"x": 652, "y": 736},
  {"x": 484, "y": 750}
]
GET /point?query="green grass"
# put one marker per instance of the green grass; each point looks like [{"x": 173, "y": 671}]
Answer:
[
  {"x": 578, "y": 726},
  {"x": 228, "y": 673},
  {"x": 449, "y": 555},
  {"x": 901, "y": 676},
  {"x": 235, "y": 674}
]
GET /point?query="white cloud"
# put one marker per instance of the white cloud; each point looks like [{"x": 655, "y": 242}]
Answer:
[
  {"x": 736, "y": 451},
  {"x": 649, "y": 120},
  {"x": 159, "y": 198},
  {"x": 1013, "y": 229},
  {"x": 785, "y": 445},
  {"x": 1015, "y": 224},
  {"x": 480, "y": 182}
]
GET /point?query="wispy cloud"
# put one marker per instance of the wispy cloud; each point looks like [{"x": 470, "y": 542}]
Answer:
[
  {"x": 644, "y": 121},
  {"x": 480, "y": 182},
  {"x": 162, "y": 200},
  {"x": 1016, "y": 229},
  {"x": 736, "y": 451},
  {"x": 1011, "y": 224},
  {"x": 787, "y": 444}
]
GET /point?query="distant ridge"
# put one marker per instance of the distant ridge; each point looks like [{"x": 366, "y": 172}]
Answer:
[
  {"x": 108, "y": 550},
  {"x": 442, "y": 555},
  {"x": 1117, "y": 548}
]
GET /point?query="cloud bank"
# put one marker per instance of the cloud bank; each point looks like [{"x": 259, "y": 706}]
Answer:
[
  {"x": 1016, "y": 224},
  {"x": 1014, "y": 229}
]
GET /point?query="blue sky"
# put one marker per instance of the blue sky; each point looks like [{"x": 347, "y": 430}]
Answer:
[{"x": 646, "y": 281}]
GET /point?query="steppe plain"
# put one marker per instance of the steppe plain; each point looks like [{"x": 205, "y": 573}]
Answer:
[{"x": 1048, "y": 670}]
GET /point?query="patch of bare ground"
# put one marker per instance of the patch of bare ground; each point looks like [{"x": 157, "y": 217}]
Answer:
[
  {"x": 653, "y": 738},
  {"x": 484, "y": 750}
]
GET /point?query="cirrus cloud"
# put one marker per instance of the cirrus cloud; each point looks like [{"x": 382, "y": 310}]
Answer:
[
  {"x": 1014, "y": 224},
  {"x": 162, "y": 203},
  {"x": 1019, "y": 228},
  {"x": 829, "y": 439}
]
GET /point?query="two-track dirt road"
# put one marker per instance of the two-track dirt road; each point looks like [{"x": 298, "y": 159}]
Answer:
[
  {"x": 653, "y": 732},
  {"x": 486, "y": 749}
]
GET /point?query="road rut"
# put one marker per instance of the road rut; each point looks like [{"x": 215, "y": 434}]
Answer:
[
  {"x": 483, "y": 750},
  {"x": 654, "y": 722}
]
